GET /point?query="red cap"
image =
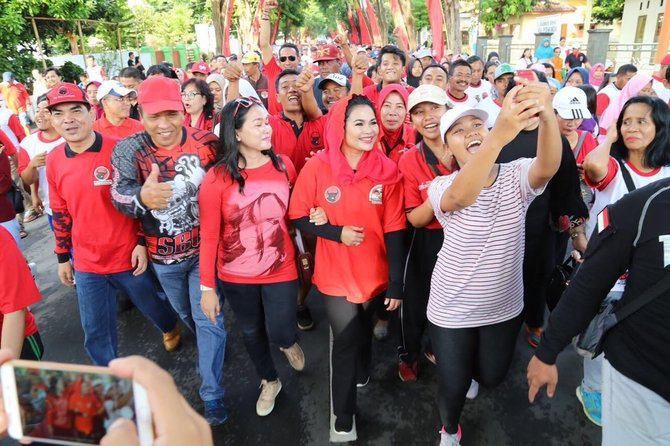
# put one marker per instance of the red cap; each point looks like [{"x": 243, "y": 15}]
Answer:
[
  {"x": 666, "y": 60},
  {"x": 327, "y": 52},
  {"x": 158, "y": 94},
  {"x": 200, "y": 67},
  {"x": 64, "y": 92}
]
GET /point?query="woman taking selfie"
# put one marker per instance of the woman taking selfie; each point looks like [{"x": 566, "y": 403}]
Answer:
[
  {"x": 358, "y": 263},
  {"x": 476, "y": 296},
  {"x": 245, "y": 250}
]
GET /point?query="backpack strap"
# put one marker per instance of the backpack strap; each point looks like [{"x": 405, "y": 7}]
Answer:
[
  {"x": 580, "y": 141},
  {"x": 626, "y": 176}
]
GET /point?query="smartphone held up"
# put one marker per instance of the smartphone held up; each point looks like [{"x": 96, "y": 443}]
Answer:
[{"x": 70, "y": 404}]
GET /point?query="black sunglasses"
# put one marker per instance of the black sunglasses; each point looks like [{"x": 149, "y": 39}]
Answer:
[{"x": 283, "y": 58}]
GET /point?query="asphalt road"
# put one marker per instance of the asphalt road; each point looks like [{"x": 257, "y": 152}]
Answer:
[{"x": 390, "y": 412}]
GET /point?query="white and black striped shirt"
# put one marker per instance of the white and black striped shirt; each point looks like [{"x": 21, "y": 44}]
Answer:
[{"x": 478, "y": 277}]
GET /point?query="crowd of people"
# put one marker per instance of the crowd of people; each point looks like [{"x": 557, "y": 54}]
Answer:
[{"x": 439, "y": 192}]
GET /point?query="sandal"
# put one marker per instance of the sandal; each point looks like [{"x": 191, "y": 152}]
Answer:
[{"x": 23, "y": 234}]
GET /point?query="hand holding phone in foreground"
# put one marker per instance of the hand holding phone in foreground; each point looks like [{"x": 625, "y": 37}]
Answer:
[{"x": 175, "y": 421}]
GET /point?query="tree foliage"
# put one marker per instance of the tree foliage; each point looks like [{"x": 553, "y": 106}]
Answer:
[
  {"x": 494, "y": 12},
  {"x": 606, "y": 11}
]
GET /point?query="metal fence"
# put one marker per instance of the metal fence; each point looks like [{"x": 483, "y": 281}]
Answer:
[{"x": 639, "y": 54}]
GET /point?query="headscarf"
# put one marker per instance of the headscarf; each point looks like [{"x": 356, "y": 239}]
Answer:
[
  {"x": 491, "y": 54},
  {"x": 411, "y": 79},
  {"x": 632, "y": 88},
  {"x": 592, "y": 79},
  {"x": 373, "y": 164},
  {"x": 581, "y": 70},
  {"x": 96, "y": 107},
  {"x": 221, "y": 81},
  {"x": 544, "y": 52},
  {"x": 403, "y": 134}
]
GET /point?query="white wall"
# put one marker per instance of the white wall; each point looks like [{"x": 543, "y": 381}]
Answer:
[{"x": 111, "y": 56}]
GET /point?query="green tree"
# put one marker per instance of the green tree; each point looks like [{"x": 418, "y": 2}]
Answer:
[
  {"x": 420, "y": 13},
  {"x": 494, "y": 12},
  {"x": 606, "y": 11}
]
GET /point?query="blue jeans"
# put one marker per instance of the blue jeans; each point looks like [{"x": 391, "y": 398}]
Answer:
[
  {"x": 181, "y": 283},
  {"x": 266, "y": 312},
  {"x": 96, "y": 294}
]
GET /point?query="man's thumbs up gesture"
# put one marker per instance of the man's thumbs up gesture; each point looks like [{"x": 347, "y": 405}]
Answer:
[{"x": 155, "y": 195}]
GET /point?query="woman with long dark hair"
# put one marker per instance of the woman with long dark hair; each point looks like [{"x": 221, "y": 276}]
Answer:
[
  {"x": 634, "y": 153},
  {"x": 246, "y": 251},
  {"x": 358, "y": 263},
  {"x": 198, "y": 103}
]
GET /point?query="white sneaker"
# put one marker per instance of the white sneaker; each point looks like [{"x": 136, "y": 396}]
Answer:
[
  {"x": 266, "y": 400},
  {"x": 450, "y": 439},
  {"x": 295, "y": 356},
  {"x": 473, "y": 391}
]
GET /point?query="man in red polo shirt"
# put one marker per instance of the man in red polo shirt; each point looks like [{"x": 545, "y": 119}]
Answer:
[
  {"x": 17, "y": 98},
  {"x": 108, "y": 253},
  {"x": 289, "y": 56},
  {"x": 200, "y": 70},
  {"x": 116, "y": 101},
  {"x": 390, "y": 67}
]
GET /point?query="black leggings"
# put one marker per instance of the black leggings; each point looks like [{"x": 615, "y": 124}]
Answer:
[{"x": 463, "y": 354}]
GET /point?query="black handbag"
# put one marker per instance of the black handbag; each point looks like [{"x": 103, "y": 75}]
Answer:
[
  {"x": 559, "y": 280},
  {"x": 16, "y": 197}
]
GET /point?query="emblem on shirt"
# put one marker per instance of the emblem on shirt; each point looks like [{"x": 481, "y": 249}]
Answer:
[
  {"x": 264, "y": 94},
  {"x": 375, "y": 195},
  {"x": 333, "y": 194},
  {"x": 101, "y": 175},
  {"x": 315, "y": 139}
]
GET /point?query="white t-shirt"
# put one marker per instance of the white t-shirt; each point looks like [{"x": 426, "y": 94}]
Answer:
[
  {"x": 661, "y": 91},
  {"x": 478, "y": 276},
  {"x": 33, "y": 145},
  {"x": 492, "y": 107},
  {"x": 611, "y": 191},
  {"x": 467, "y": 101},
  {"x": 480, "y": 92}
]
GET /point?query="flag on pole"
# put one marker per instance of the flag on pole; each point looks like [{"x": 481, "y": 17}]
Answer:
[{"x": 436, "y": 20}]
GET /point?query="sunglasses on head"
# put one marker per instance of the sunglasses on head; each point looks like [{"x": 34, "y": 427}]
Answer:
[
  {"x": 246, "y": 103},
  {"x": 283, "y": 58}
]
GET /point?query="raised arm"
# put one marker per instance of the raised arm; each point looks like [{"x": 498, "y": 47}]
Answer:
[
  {"x": 596, "y": 161},
  {"x": 549, "y": 143},
  {"x": 233, "y": 73},
  {"x": 343, "y": 42},
  {"x": 265, "y": 33},
  {"x": 358, "y": 69},
  {"x": 305, "y": 84},
  {"x": 475, "y": 175}
]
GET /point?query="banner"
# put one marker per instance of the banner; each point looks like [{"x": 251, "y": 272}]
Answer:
[
  {"x": 399, "y": 22},
  {"x": 276, "y": 27},
  {"x": 365, "y": 32},
  {"x": 227, "y": 21},
  {"x": 374, "y": 24},
  {"x": 436, "y": 20},
  {"x": 353, "y": 36}
]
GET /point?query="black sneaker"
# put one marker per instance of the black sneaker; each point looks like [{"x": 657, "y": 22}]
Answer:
[{"x": 304, "y": 317}]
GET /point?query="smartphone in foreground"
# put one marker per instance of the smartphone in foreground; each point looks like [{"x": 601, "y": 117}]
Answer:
[
  {"x": 70, "y": 404},
  {"x": 526, "y": 74}
]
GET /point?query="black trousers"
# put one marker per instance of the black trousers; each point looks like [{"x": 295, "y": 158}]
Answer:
[
  {"x": 424, "y": 247},
  {"x": 538, "y": 262},
  {"x": 463, "y": 354},
  {"x": 352, "y": 347}
]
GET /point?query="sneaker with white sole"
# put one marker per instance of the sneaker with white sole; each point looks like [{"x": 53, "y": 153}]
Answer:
[
  {"x": 450, "y": 439},
  {"x": 473, "y": 391},
  {"x": 266, "y": 400},
  {"x": 591, "y": 402},
  {"x": 295, "y": 356}
]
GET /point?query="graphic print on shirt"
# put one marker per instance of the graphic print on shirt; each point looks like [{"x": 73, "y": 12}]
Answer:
[
  {"x": 101, "y": 175},
  {"x": 376, "y": 193},
  {"x": 256, "y": 244},
  {"x": 332, "y": 194},
  {"x": 182, "y": 212}
]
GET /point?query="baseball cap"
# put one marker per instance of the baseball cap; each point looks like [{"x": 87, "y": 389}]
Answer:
[
  {"x": 423, "y": 52},
  {"x": 570, "y": 103},
  {"x": 158, "y": 94},
  {"x": 200, "y": 67},
  {"x": 503, "y": 69},
  {"x": 251, "y": 57},
  {"x": 664, "y": 61},
  {"x": 7, "y": 76},
  {"x": 339, "y": 79},
  {"x": 115, "y": 88},
  {"x": 427, "y": 93},
  {"x": 575, "y": 46},
  {"x": 451, "y": 116},
  {"x": 64, "y": 92},
  {"x": 327, "y": 52}
]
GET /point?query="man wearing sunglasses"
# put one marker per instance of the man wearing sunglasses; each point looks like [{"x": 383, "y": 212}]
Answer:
[
  {"x": 289, "y": 56},
  {"x": 116, "y": 101}
]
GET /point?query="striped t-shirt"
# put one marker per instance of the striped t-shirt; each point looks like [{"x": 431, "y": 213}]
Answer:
[{"x": 478, "y": 277}]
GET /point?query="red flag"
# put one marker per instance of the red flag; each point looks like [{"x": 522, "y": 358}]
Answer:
[
  {"x": 276, "y": 27},
  {"x": 354, "y": 34},
  {"x": 374, "y": 24},
  {"x": 365, "y": 32},
  {"x": 256, "y": 24},
  {"x": 399, "y": 21},
  {"x": 226, "y": 28},
  {"x": 436, "y": 20}
]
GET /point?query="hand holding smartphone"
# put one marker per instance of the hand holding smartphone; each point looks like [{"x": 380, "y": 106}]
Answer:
[{"x": 70, "y": 404}]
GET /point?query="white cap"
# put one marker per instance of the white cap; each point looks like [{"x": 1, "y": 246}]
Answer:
[
  {"x": 570, "y": 103},
  {"x": 423, "y": 52},
  {"x": 338, "y": 78},
  {"x": 114, "y": 88},
  {"x": 427, "y": 93},
  {"x": 451, "y": 116}
]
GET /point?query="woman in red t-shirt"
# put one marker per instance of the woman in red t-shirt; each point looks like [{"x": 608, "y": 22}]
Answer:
[
  {"x": 198, "y": 103},
  {"x": 245, "y": 245},
  {"x": 358, "y": 263}
]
